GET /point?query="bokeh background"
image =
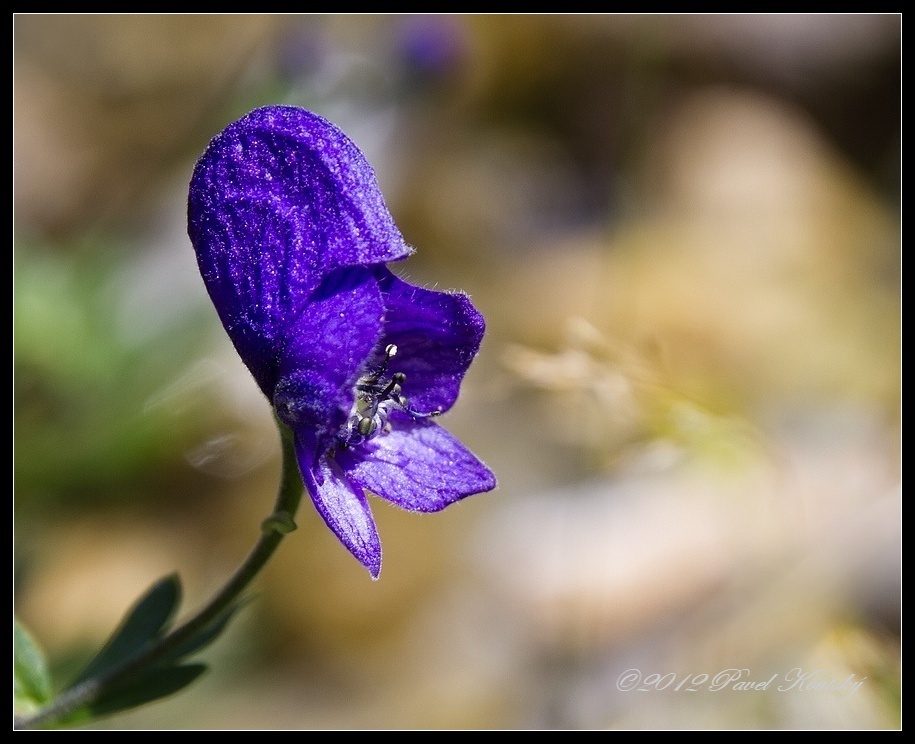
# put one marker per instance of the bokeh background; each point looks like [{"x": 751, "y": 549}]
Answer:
[{"x": 684, "y": 232}]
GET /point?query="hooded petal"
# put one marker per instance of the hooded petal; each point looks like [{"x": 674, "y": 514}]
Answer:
[
  {"x": 417, "y": 465},
  {"x": 279, "y": 199},
  {"x": 437, "y": 335},
  {"x": 326, "y": 352},
  {"x": 259, "y": 292},
  {"x": 342, "y": 505}
]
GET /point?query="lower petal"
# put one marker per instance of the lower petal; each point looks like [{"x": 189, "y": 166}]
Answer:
[
  {"x": 418, "y": 466},
  {"x": 342, "y": 505}
]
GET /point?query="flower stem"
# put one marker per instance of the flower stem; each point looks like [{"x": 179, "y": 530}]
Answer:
[{"x": 273, "y": 529}]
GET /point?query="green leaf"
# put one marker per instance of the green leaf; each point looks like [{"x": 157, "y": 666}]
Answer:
[
  {"x": 150, "y": 616},
  {"x": 209, "y": 634},
  {"x": 31, "y": 683},
  {"x": 157, "y": 683}
]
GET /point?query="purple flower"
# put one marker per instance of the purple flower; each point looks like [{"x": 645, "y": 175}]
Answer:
[{"x": 292, "y": 238}]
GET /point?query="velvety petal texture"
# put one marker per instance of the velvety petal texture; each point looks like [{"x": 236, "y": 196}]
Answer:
[
  {"x": 325, "y": 352},
  {"x": 292, "y": 237},
  {"x": 279, "y": 199},
  {"x": 437, "y": 335},
  {"x": 344, "y": 508},
  {"x": 418, "y": 466}
]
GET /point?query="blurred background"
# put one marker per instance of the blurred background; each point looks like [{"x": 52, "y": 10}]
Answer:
[{"x": 684, "y": 232}]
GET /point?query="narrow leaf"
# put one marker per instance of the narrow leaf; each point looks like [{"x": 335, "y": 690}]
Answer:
[
  {"x": 206, "y": 636},
  {"x": 146, "y": 620},
  {"x": 153, "y": 685},
  {"x": 31, "y": 683}
]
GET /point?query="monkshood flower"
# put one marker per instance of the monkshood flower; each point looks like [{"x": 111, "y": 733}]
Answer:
[{"x": 292, "y": 237}]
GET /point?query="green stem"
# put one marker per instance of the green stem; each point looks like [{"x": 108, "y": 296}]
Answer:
[{"x": 274, "y": 528}]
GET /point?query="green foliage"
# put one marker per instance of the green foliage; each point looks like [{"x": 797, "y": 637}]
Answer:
[
  {"x": 149, "y": 619},
  {"x": 154, "y": 684},
  {"x": 120, "y": 676},
  {"x": 31, "y": 683},
  {"x": 85, "y": 377},
  {"x": 144, "y": 625}
]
